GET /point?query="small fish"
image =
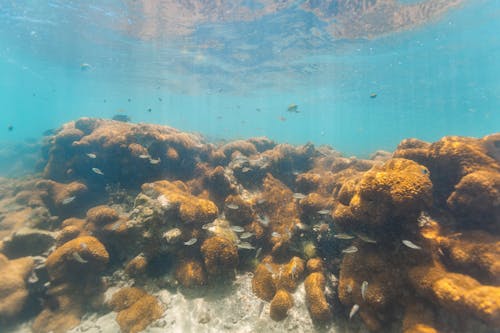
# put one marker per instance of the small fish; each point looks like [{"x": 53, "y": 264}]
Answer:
[
  {"x": 269, "y": 267},
  {"x": 245, "y": 169},
  {"x": 411, "y": 245},
  {"x": 155, "y": 161},
  {"x": 144, "y": 156},
  {"x": 232, "y": 206},
  {"x": 350, "y": 249},
  {"x": 98, "y": 171},
  {"x": 237, "y": 228},
  {"x": 121, "y": 117},
  {"x": 257, "y": 253},
  {"x": 78, "y": 258},
  {"x": 366, "y": 239},
  {"x": 245, "y": 246},
  {"x": 264, "y": 220},
  {"x": 354, "y": 310},
  {"x": 68, "y": 200},
  {"x": 246, "y": 235},
  {"x": 294, "y": 108},
  {"x": 324, "y": 212},
  {"x": 373, "y": 95},
  {"x": 85, "y": 67},
  {"x": 207, "y": 226},
  {"x": 261, "y": 201},
  {"x": 191, "y": 241},
  {"x": 275, "y": 234},
  {"x": 91, "y": 155},
  {"x": 261, "y": 308},
  {"x": 299, "y": 196},
  {"x": 343, "y": 236},
  {"x": 364, "y": 286}
]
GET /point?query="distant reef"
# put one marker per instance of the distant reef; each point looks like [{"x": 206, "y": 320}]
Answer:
[{"x": 397, "y": 242}]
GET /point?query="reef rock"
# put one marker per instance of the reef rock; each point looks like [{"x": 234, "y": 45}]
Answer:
[{"x": 13, "y": 287}]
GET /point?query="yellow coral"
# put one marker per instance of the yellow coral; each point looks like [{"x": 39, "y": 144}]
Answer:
[
  {"x": 315, "y": 297},
  {"x": 79, "y": 257},
  {"x": 190, "y": 273},
  {"x": 281, "y": 303},
  {"x": 219, "y": 254}
]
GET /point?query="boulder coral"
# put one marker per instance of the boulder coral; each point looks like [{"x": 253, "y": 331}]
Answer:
[
  {"x": 13, "y": 286},
  {"x": 394, "y": 192},
  {"x": 82, "y": 256},
  {"x": 280, "y": 304},
  {"x": 458, "y": 293},
  {"x": 220, "y": 255},
  {"x": 318, "y": 307},
  {"x": 190, "y": 273},
  {"x": 175, "y": 196},
  {"x": 136, "y": 309}
]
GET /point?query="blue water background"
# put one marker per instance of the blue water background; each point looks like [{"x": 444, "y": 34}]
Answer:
[{"x": 442, "y": 78}]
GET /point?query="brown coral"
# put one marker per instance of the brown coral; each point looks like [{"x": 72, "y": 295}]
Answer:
[
  {"x": 397, "y": 191},
  {"x": 82, "y": 256},
  {"x": 136, "y": 309},
  {"x": 190, "y": 209},
  {"x": 317, "y": 305},
  {"x": 281, "y": 303},
  {"x": 190, "y": 273},
  {"x": 458, "y": 293},
  {"x": 219, "y": 254},
  {"x": 13, "y": 290}
]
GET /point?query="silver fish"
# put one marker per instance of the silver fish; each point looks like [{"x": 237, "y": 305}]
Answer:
[
  {"x": 68, "y": 200},
  {"x": 350, "y": 249},
  {"x": 245, "y": 169},
  {"x": 98, "y": 171},
  {"x": 269, "y": 268},
  {"x": 232, "y": 206},
  {"x": 275, "y": 234},
  {"x": 261, "y": 307},
  {"x": 191, "y": 241},
  {"x": 366, "y": 239},
  {"x": 154, "y": 161},
  {"x": 246, "y": 235},
  {"x": 78, "y": 258},
  {"x": 207, "y": 226},
  {"x": 261, "y": 201},
  {"x": 91, "y": 155},
  {"x": 343, "y": 236},
  {"x": 411, "y": 245},
  {"x": 257, "y": 253},
  {"x": 354, "y": 310},
  {"x": 245, "y": 246},
  {"x": 364, "y": 286},
  {"x": 298, "y": 196},
  {"x": 264, "y": 220},
  {"x": 324, "y": 212},
  {"x": 144, "y": 156},
  {"x": 237, "y": 228}
]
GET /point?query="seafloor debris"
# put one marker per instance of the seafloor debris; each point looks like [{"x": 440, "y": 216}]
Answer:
[{"x": 190, "y": 214}]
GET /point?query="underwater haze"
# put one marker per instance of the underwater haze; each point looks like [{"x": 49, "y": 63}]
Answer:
[
  {"x": 328, "y": 166},
  {"x": 230, "y": 70}
]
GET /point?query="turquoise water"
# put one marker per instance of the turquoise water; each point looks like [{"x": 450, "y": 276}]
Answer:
[{"x": 233, "y": 76}]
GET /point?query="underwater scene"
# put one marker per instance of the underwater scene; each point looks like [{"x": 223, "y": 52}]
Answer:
[{"x": 250, "y": 166}]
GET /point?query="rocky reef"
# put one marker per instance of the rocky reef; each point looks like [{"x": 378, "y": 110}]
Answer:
[{"x": 408, "y": 241}]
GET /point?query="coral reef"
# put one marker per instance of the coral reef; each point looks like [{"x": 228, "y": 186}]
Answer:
[{"x": 399, "y": 242}]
